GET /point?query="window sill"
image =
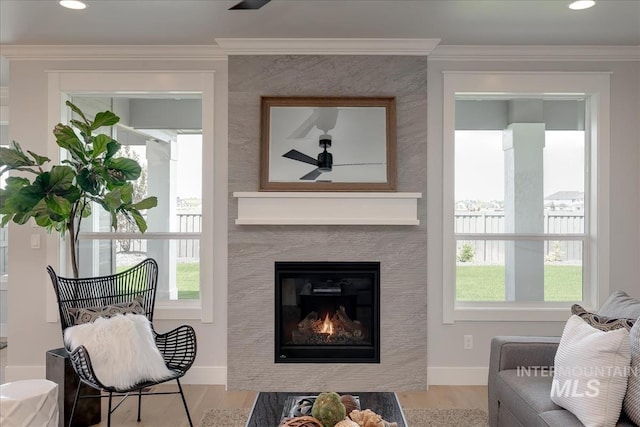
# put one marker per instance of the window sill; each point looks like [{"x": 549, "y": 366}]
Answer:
[
  {"x": 508, "y": 314},
  {"x": 178, "y": 310}
]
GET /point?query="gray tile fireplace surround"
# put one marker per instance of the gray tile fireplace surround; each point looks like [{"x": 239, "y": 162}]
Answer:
[{"x": 253, "y": 249}]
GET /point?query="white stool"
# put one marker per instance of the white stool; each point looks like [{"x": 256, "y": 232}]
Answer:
[{"x": 29, "y": 403}]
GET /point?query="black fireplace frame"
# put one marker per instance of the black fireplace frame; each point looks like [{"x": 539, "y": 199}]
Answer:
[{"x": 327, "y": 353}]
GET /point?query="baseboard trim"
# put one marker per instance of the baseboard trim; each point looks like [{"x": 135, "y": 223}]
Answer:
[
  {"x": 457, "y": 376},
  {"x": 211, "y": 375}
]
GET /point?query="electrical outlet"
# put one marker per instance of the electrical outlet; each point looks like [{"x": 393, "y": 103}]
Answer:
[
  {"x": 35, "y": 241},
  {"x": 468, "y": 342}
]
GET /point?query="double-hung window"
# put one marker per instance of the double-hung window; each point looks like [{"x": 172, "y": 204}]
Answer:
[
  {"x": 525, "y": 194},
  {"x": 167, "y": 125}
]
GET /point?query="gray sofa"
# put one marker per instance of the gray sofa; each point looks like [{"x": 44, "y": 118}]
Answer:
[{"x": 520, "y": 400}]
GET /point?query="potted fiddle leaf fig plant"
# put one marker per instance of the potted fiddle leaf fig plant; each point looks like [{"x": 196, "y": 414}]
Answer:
[{"x": 59, "y": 197}]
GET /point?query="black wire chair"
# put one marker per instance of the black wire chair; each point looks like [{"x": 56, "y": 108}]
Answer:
[{"x": 178, "y": 347}]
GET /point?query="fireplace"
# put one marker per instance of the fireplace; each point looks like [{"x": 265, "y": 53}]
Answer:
[{"x": 327, "y": 312}]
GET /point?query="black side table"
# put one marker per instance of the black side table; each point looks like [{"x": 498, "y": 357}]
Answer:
[{"x": 60, "y": 371}]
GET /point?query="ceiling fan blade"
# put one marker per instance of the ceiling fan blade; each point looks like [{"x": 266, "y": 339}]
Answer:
[
  {"x": 249, "y": 4},
  {"x": 360, "y": 164},
  {"x": 324, "y": 118},
  {"x": 296, "y": 155},
  {"x": 302, "y": 130},
  {"x": 312, "y": 175},
  {"x": 327, "y": 118}
]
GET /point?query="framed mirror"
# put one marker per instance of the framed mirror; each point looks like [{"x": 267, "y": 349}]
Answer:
[{"x": 328, "y": 144}]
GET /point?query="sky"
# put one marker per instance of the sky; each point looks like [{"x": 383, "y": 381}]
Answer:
[
  {"x": 479, "y": 167},
  {"x": 188, "y": 165}
]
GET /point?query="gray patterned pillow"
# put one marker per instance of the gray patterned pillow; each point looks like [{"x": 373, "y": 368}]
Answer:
[
  {"x": 89, "y": 314},
  {"x": 631, "y": 403},
  {"x": 601, "y": 322}
]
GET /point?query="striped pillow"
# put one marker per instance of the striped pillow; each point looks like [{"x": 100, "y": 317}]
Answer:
[
  {"x": 632, "y": 399},
  {"x": 590, "y": 374}
]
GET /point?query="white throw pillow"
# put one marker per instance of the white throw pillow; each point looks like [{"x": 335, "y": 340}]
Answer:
[
  {"x": 590, "y": 373},
  {"x": 122, "y": 350},
  {"x": 632, "y": 399}
]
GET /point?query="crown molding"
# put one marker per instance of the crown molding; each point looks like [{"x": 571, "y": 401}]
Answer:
[
  {"x": 535, "y": 53},
  {"x": 324, "y": 46},
  {"x": 111, "y": 52}
]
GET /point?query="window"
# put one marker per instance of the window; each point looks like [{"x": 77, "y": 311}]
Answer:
[
  {"x": 168, "y": 123},
  {"x": 525, "y": 230},
  {"x": 162, "y": 135}
]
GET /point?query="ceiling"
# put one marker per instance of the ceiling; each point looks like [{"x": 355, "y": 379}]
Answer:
[{"x": 196, "y": 22}]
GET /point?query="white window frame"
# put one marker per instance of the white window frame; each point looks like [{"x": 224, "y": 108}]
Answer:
[
  {"x": 62, "y": 84},
  {"x": 596, "y": 87}
]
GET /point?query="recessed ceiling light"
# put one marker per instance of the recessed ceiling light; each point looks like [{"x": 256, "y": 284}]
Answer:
[
  {"x": 581, "y": 4},
  {"x": 73, "y": 4}
]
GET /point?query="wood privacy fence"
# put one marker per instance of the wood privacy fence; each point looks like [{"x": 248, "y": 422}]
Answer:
[
  {"x": 186, "y": 248},
  {"x": 492, "y": 251}
]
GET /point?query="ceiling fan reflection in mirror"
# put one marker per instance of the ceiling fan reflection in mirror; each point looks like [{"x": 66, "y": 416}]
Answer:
[
  {"x": 324, "y": 161},
  {"x": 249, "y": 5}
]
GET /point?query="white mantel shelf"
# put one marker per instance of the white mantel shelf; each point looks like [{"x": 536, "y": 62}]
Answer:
[{"x": 327, "y": 208}]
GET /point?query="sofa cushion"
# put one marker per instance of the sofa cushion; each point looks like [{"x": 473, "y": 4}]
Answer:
[
  {"x": 591, "y": 370},
  {"x": 558, "y": 418},
  {"x": 620, "y": 305},
  {"x": 525, "y": 394}
]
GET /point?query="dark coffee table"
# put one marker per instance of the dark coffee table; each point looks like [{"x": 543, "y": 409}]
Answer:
[{"x": 267, "y": 409}]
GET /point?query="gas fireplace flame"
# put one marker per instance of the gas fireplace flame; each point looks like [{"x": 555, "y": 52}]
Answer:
[{"x": 327, "y": 326}]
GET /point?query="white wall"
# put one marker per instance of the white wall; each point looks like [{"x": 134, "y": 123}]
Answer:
[
  {"x": 32, "y": 336},
  {"x": 448, "y": 361},
  {"x": 30, "y": 333}
]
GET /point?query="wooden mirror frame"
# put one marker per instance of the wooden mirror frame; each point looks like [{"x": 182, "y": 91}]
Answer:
[{"x": 391, "y": 152}]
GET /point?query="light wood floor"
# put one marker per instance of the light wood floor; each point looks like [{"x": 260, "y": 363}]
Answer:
[{"x": 167, "y": 411}]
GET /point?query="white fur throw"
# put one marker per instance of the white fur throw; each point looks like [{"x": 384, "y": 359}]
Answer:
[{"x": 122, "y": 350}]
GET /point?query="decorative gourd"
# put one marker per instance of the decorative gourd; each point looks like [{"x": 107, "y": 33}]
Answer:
[
  {"x": 328, "y": 409},
  {"x": 349, "y": 403}
]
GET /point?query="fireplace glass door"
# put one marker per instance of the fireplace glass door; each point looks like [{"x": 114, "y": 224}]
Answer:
[{"x": 327, "y": 312}]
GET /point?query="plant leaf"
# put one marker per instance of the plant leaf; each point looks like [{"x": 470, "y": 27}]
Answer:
[
  {"x": 40, "y": 160},
  {"x": 14, "y": 157},
  {"x": 113, "y": 199},
  {"x": 121, "y": 169},
  {"x": 112, "y": 149},
  {"x": 88, "y": 181},
  {"x": 77, "y": 111},
  {"x": 105, "y": 118},
  {"x": 67, "y": 139},
  {"x": 61, "y": 179},
  {"x": 148, "y": 203},
  {"x": 138, "y": 218},
  {"x": 85, "y": 129},
  {"x": 100, "y": 143}
]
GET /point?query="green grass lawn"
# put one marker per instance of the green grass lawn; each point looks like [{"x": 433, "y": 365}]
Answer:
[
  {"x": 188, "y": 277},
  {"x": 486, "y": 283}
]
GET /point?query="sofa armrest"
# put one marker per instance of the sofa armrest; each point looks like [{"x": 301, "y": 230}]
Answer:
[
  {"x": 517, "y": 352},
  {"x": 514, "y": 352}
]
